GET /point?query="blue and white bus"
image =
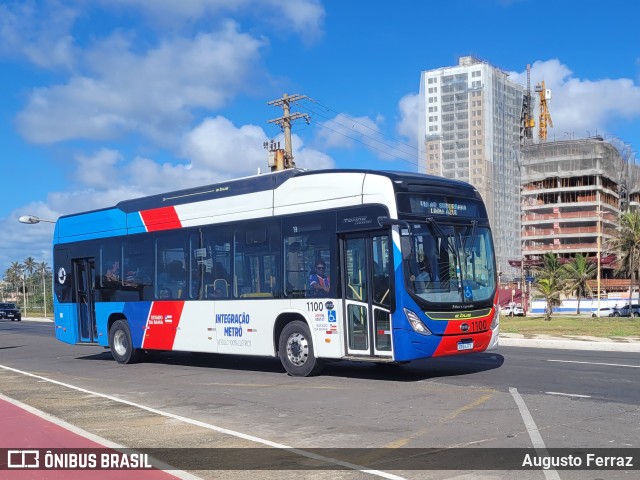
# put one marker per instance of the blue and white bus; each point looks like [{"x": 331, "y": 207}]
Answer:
[{"x": 227, "y": 268}]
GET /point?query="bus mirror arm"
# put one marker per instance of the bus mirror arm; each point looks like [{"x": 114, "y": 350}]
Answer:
[
  {"x": 387, "y": 222},
  {"x": 405, "y": 235}
]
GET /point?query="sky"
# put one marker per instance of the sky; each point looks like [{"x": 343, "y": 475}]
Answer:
[{"x": 106, "y": 100}]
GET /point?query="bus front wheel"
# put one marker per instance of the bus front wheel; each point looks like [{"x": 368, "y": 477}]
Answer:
[
  {"x": 121, "y": 344},
  {"x": 295, "y": 349}
]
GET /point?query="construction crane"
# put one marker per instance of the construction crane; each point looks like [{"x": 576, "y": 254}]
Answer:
[
  {"x": 526, "y": 120},
  {"x": 545, "y": 116}
]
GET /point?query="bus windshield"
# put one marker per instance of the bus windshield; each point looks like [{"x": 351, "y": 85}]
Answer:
[{"x": 450, "y": 263}]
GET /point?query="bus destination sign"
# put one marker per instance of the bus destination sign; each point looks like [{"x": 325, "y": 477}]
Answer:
[{"x": 442, "y": 206}]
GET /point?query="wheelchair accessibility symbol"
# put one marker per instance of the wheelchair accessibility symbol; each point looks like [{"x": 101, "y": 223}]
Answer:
[{"x": 467, "y": 292}]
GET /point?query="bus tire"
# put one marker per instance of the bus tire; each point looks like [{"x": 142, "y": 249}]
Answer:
[
  {"x": 295, "y": 349},
  {"x": 121, "y": 344}
]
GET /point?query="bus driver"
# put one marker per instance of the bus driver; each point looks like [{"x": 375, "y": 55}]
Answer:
[{"x": 319, "y": 282}]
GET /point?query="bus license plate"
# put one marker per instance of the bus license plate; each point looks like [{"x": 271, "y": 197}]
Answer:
[{"x": 465, "y": 346}]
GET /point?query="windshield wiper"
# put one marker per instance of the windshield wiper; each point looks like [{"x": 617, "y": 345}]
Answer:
[{"x": 438, "y": 231}]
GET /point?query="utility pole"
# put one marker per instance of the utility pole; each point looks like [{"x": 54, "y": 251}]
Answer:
[
  {"x": 44, "y": 290},
  {"x": 599, "y": 259},
  {"x": 285, "y": 123}
]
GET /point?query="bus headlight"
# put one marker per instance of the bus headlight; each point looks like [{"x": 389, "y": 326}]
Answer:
[
  {"x": 416, "y": 323},
  {"x": 496, "y": 319}
]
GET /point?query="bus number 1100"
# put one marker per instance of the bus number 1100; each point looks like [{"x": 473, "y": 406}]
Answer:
[{"x": 315, "y": 306}]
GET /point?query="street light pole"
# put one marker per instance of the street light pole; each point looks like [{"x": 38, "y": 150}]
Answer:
[
  {"x": 599, "y": 247},
  {"x": 31, "y": 220},
  {"x": 24, "y": 292},
  {"x": 44, "y": 291}
]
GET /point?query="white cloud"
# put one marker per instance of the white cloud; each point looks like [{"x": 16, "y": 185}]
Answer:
[
  {"x": 310, "y": 158},
  {"x": 37, "y": 33},
  {"x": 105, "y": 162},
  {"x": 580, "y": 107},
  {"x": 346, "y": 131},
  {"x": 408, "y": 123},
  {"x": 216, "y": 144},
  {"x": 304, "y": 17},
  {"x": 150, "y": 94}
]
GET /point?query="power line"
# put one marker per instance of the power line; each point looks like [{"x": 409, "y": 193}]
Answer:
[
  {"x": 361, "y": 134},
  {"x": 355, "y": 139},
  {"x": 362, "y": 124}
]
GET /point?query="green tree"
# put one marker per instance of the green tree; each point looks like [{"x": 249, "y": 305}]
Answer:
[
  {"x": 30, "y": 265},
  {"x": 551, "y": 293},
  {"x": 626, "y": 247},
  {"x": 550, "y": 282},
  {"x": 578, "y": 272},
  {"x": 14, "y": 275}
]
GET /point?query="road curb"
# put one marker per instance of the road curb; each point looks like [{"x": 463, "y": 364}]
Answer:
[
  {"x": 37, "y": 319},
  {"x": 561, "y": 343}
]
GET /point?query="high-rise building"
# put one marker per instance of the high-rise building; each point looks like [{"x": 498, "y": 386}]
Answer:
[{"x": 469, "y": 130}]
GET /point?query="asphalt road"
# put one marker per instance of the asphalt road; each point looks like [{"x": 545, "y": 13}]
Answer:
[{"x": 515, "y": 397}]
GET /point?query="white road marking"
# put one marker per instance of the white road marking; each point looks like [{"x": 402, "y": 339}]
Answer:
[
  {"x": 596, "y": 363},
  {"x": 209, "y": 426},
  {"x": 91, "y": 436},
  {"x": 534, "y": 433},
  {"x": 568, "y": 394}
]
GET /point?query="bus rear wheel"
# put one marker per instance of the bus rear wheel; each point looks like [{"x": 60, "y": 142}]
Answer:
[
  {"x": 295, "y": 349},
  {"x": 121, "y": 344}
]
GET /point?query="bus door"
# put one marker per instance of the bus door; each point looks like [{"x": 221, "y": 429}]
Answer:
[
  {"x": 367, "y": 273},
  {"x": 84, "y": 289}
]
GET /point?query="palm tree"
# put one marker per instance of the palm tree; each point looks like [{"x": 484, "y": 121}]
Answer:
[
  {"x": 551, "y": 293},
  {"x": 550, "y": 282},
  {"x": 578, "y": 272},
  {"x": 45, "y": 275},
  {"x": 30, "y": 265},
  {"x": 14, "y": 275},
  {"x": 626, "y": 246}
]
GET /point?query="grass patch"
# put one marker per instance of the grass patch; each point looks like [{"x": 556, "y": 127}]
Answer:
[{"x": 572, "y": 325}]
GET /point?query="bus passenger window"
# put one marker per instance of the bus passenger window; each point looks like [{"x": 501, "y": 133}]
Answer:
[
  {"x": 171, "y": 262},
  {"x": 309, "y": 251}
]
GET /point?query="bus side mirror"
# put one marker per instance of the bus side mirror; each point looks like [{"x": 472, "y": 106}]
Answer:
[
  {"x": 405, "y": 234},
  {"x": 406, "y": 246}
]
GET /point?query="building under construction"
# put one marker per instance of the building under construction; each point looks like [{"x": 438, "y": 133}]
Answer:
[{"x": 573, "y": 192}]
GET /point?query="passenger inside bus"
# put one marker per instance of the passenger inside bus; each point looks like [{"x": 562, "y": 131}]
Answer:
[
  {"x": 319, "y": 281},
  {"x": 424, "y": 276},
  {"x": 113, "y": 272},
  {"x": 174, "y": 278}
]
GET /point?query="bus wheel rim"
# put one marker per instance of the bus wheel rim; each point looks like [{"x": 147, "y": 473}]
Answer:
[
  {"x": 297, "y": 349},
  {"x": 120, "y": 342}
]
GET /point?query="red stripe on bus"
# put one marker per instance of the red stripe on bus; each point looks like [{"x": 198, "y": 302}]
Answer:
[
  {"x": 162, "y": 325},
  {"x": 164, "y": 218}
]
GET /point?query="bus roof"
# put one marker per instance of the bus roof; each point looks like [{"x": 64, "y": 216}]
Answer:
[
  {"x": 270, "y": 181},
  {"x": 258, "y": 196}
]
